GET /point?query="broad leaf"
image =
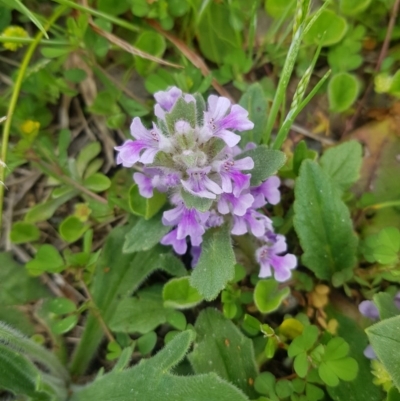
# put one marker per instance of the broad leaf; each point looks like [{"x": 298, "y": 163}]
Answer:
[
  {"x": 145, "y": 235},
  {"x": 179, "y": 294},
  {"x": 342, "y": 163},
  {"x": 255, "y": 102},
  {"x": 266, "y": 163},
  {"x": 152, "y": 380},
  {"x": 385, "y": 340},
  {"x": 216, "y": 265},
  {"x": 343, "y": 90},
  {"x": 221, "y": 348},
  {"x": 322, "y": 222}
]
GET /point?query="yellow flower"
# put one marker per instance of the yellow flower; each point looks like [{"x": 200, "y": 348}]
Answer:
[
  {"x": 14, "y": 32},
  {"x": 382, "y": 377},
  {"x": 30, "y": 127}
]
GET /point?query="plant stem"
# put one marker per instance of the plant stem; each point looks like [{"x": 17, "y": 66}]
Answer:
[
  {"x": 14, "y": 99},
  {"x": 15, "y": 39}
]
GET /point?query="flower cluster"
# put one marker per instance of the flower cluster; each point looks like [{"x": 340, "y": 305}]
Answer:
[
  {"x": 370, "y": 310},
  {"x": 192, "y": 154}
]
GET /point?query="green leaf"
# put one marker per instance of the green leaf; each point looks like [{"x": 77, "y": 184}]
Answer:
[
  {"x": 301, "y": 364},
  {"x": 152, "y": 380},
  {"x": 22, "y": 232},
  {"x": 304, "y": 342},
  {"x": 328, "y": 29},
  {"x": 337, "y": 348},
  {"x": 147, "y": 342},
  {"x": 61, "y": 306},
  {"x": 343, "y": 90},
  {"x": 386, "y": 246},
  {"x": 386, "y": 306},
  {"x": 265, "y": 383},
  {"x": 268, "y": 297},
  {"x": 179, "y": 294},
  {"x": 140, "y": 314},
  {"x": 345, "y": 368},
  {"x": 86, "y": 155},
  {"x": 322, "y": 222},
  {"x": 279, "y": 9},
  {"x": 65, "y": 325},
  {"x": 152, "y": 43},
  {"x": 384, "y": 338},
  {"x": 97, "y": 182},
  {"x": 116, "y": 277},
  {"x": 342, "y": 163},
  {"x": 71, "y": 229},
  {"x": 16, "y": 287},
  {"x": 231, "y": 353},
  {"x": 44, "y": 211},
  {"x": 17, "y": 374},
  {"x": 314, "y": 393},
  {"x": 283, "y": 388},
  {"x": 255, "y": 102},
  {"x": 145, "y": 207},
  {"x": 302, "y": 153},
  {"x": 216, "y": 37},
  {"x": 353, "y": 7},
  {"x": 266, "y": 163},
  {"x": 47, "y": 259},
  {"x": 328, "y": 376},
  {"x": 182, "y": 110},
  {"x": 216, "y": 265},
  {"x": 145, "y": 234},
  {"x": 176, "y": 319},
  {"x": 75, "y": 75},
  {"x": 362, "y": 387},
  {"x": 191, "y": 201}
]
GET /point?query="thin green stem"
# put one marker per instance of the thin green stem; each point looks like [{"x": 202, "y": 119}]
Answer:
[
  {"x": 16, "y": 39},
  {"x": 283, "y": 83},
  {"x": 383, "y": 205},
  {"x": 14, "y": 99}
]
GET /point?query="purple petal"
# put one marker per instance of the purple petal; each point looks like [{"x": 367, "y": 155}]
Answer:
[
  {"x": 246, "y": 163},
  {"x": 138, "y": 130},
  {"x": 173, "y": 216},
  {"x": 167, "y": 99},
  {"x": 189, "y": 226},
  {"x": 228, "y": 137},
  {"x": 279, "y": 245},
  {"x": 237, "y": 119},
  {"x": 369, "y": 309},
  {"x": 144, "y": 184},
  {"x": 270, "y": 189},
  {"x": 148, "y": 155},
  {"x": 129, "y": 152},
  {"x": 370, "y": 353},
  {"x": 179, "y": 245},
  {"x": 217, "y": 107},
  {"x": 283, "y": 266},
  {"x": 239, "y": 226}
]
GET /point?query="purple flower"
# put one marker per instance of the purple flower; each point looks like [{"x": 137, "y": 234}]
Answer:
[
  {"x": 233, "y": 180},
  {"x": 268, "y": 191},
  {"x": 268, "y": 256},
  {"x": 369, "y": 309},
  {"x": 148, "y": 143},
  {"x": 144, "y": 184},
  {"x": 229, "y": 203},
  {"x": 167, "y": 100},
  {"x": 199, "y": 184},
  {"x": 221, "y": 117},
  {"x": 179, "y": 245},
  {"x": 253, "y": 222},
  {"x": 189, "y": 222},
  {"x": 214, "y": 220},
  {"x": 369, "y": 352}
]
